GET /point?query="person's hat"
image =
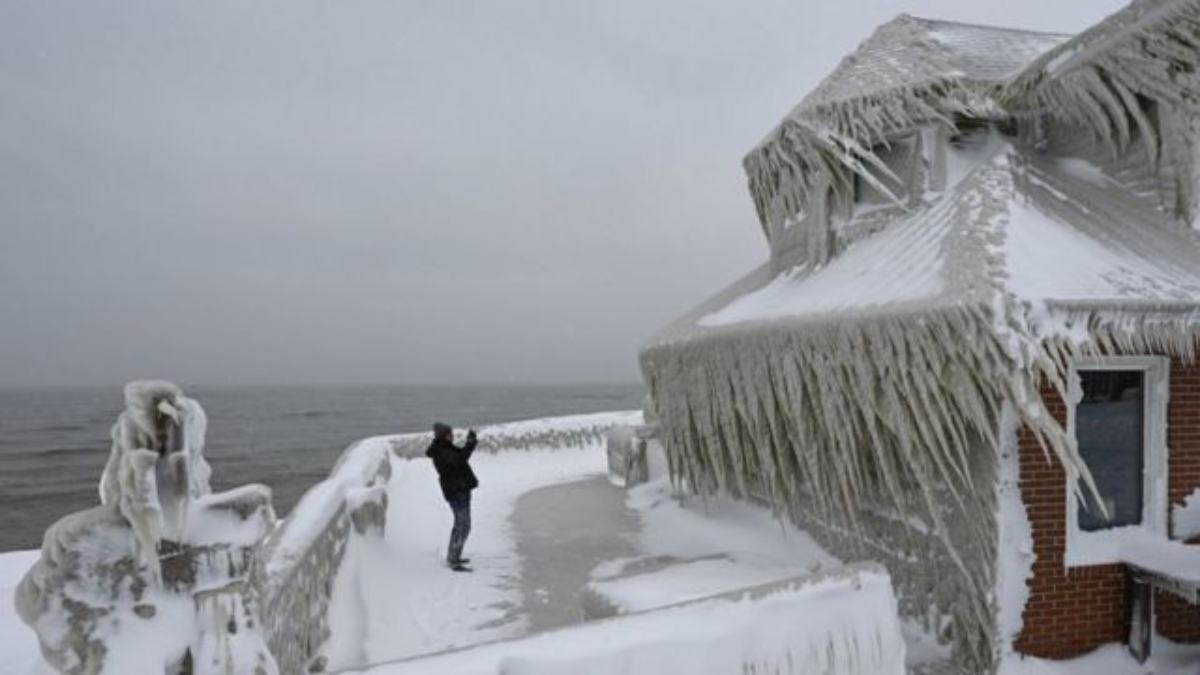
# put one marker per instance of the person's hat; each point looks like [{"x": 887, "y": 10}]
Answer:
[{"x": 441, "y": 430}]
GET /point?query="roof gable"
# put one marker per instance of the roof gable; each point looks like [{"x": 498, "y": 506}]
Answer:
[
  {"x": 910, "y": 51},
  {"x": 918, "y": 71},
  {"x": 1149, "y": 49}
]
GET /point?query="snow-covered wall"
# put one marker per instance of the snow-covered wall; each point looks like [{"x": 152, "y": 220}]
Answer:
[
  {"x": 839, "y": 623},
  {"x": 304, "y": 555}
]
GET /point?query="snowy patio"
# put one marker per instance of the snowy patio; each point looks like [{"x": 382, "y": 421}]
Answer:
[
  {"x": 557, "y": 548},
  {"x": 571, "y": 569},
  {"x": 553, "y": 544}
]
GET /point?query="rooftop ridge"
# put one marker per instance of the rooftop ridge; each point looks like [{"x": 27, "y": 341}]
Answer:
[{"x": 983, "y": 26}]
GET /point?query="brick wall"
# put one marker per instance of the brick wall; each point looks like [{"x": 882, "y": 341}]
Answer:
[
  {"x": 1175, "y": 618},
  {"x": 1072, "y": 611}
]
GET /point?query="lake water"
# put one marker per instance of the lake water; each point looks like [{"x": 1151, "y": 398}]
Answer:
[{"x": 54, "y": 442}]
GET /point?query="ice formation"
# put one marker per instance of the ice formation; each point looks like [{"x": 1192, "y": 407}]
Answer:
[
  {"x": 166, "y": 576},
  {"x": 937, "y": 158},
  {"x": 163, "y": 575},
  {"x": 157, "y": 465}
]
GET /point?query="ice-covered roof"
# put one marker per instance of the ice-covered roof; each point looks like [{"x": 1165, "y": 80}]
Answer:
[
  {"x": 910, "y": 71},
  {"x": 1132, "y": 27},
  {"x": 1043, "y": 232},
  {"x": 1151, "y": 49},
  {"x": 914, "y": 71},
  {"x": 912, "y": 52}
]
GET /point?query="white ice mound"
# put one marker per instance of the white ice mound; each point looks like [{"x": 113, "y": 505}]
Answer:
[{"x": 162, "y": 576}]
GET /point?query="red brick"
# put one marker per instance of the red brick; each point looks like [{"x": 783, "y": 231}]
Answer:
[{"x": 1073, "y": 611}]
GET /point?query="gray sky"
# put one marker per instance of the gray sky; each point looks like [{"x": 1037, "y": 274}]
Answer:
[{"x": 392, "y": 191}]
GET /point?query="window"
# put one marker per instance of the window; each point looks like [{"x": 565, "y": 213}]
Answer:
[
  {"x": 1118, "y": 418},
  {"x": 900, "y": 156},
  {"x": 1110, "y": 428}
]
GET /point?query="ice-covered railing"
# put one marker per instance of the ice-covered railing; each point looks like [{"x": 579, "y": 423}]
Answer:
[
  {"x": 840, "y": 623},
  {"x": 573, "y": 431},
  {"x": 303, "y": 556}
]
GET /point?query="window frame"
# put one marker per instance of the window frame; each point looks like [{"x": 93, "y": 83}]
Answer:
[{"x": 1093, "y": 548}]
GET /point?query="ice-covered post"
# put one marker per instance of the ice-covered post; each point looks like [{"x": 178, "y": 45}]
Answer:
[{"x": 162, "y": 576}]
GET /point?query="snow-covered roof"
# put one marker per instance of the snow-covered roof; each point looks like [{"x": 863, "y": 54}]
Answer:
[
  {"x": 975, "y": 294},
  {"x": 1054, "y": 232}
]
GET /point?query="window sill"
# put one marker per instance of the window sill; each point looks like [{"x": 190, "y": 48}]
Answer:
[{"x": 1134, "y": 545}]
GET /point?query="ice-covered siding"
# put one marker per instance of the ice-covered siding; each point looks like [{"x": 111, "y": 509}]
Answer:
[
  {"x": 931, "y": 586},
  {"x": 837, "y": 423},
  {"x": 1072, "y": 610}
]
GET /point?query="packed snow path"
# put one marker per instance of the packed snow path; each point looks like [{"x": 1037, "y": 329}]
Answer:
[
  {"x": 414, "y": 604},
  {"x": 562, "y": 532},
  {"x": 552, "y": 544}
]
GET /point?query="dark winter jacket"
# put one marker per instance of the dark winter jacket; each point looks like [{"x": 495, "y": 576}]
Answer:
[{"x": 453, "y": 466}]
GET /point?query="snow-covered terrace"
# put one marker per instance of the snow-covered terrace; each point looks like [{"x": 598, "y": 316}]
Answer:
[
  {"x": 573, "y": 571},
  {"x": 553, "y": 544}
]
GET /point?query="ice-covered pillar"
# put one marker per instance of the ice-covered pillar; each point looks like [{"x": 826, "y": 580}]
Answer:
[{"x": 162, "y": 576}]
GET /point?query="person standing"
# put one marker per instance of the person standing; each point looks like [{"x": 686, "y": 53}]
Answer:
[{"x": 456, "y": 478}]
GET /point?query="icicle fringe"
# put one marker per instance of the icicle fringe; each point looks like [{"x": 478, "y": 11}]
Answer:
[
  {"x": 829, "y": 144},
  {"x": 824, "y": 421},
  {"x": 835, "y": 418},
  {"x": 1101, "y": 80}
]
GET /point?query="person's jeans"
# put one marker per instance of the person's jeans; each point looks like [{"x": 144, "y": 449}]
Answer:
[{"x": 461, "y": 506}]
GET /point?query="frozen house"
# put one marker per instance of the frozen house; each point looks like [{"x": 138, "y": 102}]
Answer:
[{"x": 971, "y": 354}]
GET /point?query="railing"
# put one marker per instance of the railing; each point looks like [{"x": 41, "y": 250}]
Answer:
[
  {"x": 304, "y": 555},
  {"x": 558, "y": 432}
]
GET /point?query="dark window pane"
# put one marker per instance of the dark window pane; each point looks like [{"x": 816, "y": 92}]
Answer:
[{"x": 1108, "y": 425}]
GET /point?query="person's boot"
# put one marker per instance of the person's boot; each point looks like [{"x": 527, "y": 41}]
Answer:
[{"x": 460, "y": 565}]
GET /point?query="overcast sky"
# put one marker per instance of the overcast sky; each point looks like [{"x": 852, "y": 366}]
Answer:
[{"x": 289, "y": 191}]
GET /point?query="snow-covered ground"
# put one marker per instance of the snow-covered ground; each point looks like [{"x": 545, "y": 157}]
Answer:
[
  {"x": 18, "y": 644},
  {"x": 414, "y": 604},
  {"x": 690, "y": 548},
  {"x": 1113, "y": 659},
  {"x": 649, "y": 548},
  {"x": 681, "y": 549},
  {"x": 843, "y": 622}
]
